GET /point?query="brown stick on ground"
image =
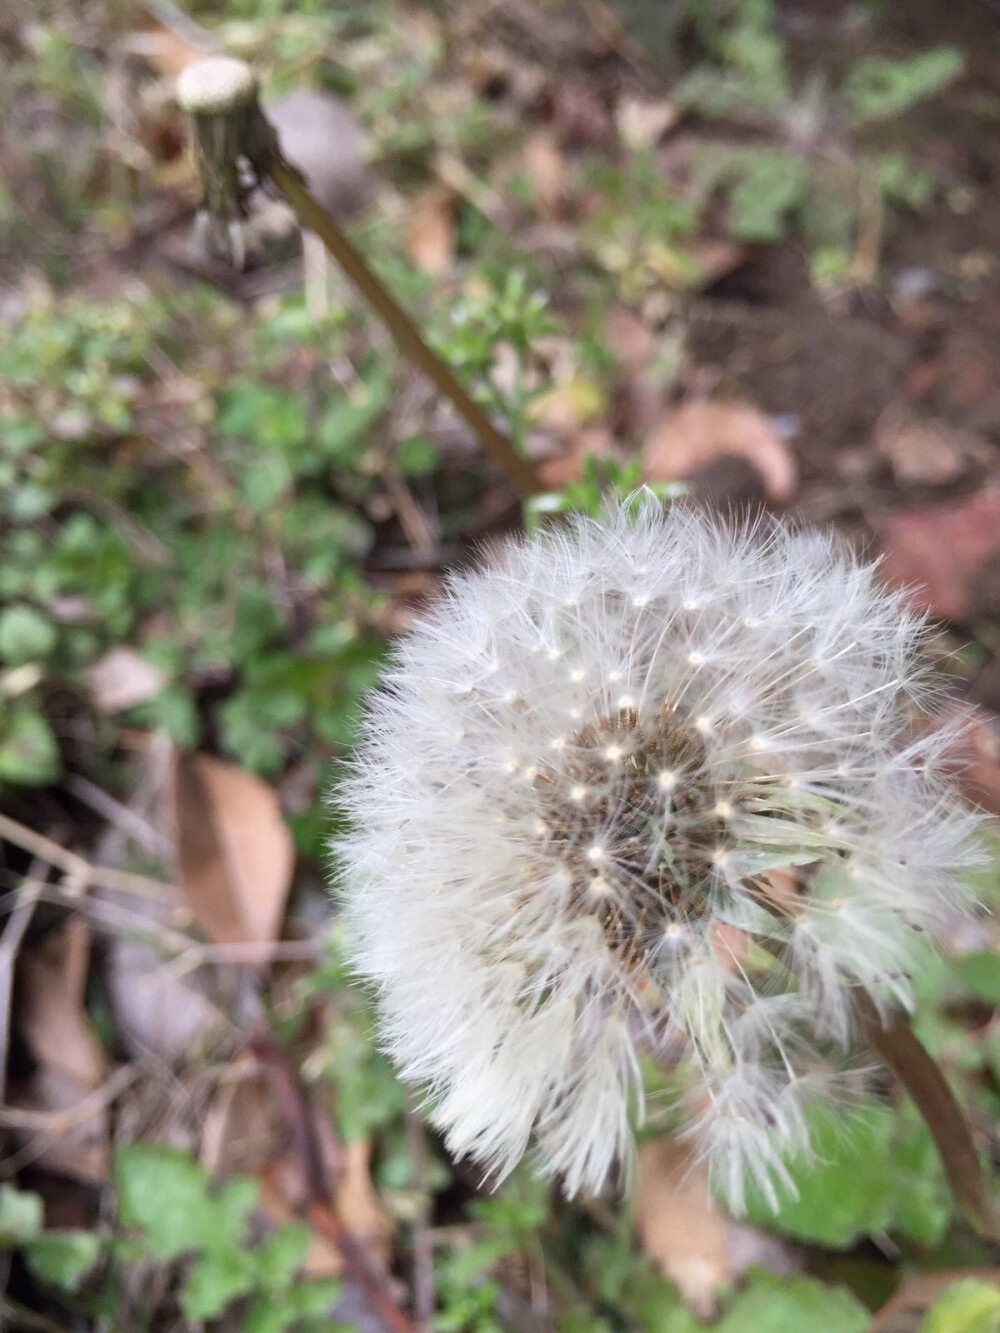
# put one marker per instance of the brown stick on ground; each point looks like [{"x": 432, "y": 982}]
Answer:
[
  {"x": 220, "y": 94},
  {"x": 368, "y": 1274}
]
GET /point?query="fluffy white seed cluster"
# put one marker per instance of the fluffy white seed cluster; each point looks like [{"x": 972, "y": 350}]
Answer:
[{"x": 566, "y": 817}]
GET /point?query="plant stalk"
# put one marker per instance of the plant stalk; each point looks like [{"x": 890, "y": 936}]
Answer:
[
  {"x": 901, "y": 1049},
  {"x": 230, "y": 125}
]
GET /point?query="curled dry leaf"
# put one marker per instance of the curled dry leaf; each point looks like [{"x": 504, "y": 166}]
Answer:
[
  {"x": 51, "y": 1014},
  {"x": 122, "y": 679},
  {"x": 429, "y": 240},
  {"x": 679, "y": 1226},
  {"x": 698, "y": 434},
  {"x": 72, "y": 1137},
  {"x": 321, "y": 136},
  {"x": 234, "y": 852}
]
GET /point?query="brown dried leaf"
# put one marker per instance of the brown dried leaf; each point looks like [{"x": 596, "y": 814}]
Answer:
[
  {"x": 121, "y": 679},
  {"x": 71, "y": 1137},
  {"x": 51, "y": 1014},
  {"x": 543, "y": 161},
  {"x": 945, "y": 554},
  {"x": 560, "y": 470},
  {"x": 920, "y": 450},
  {"x": 244, "y": 1128},
  {"x": 234, "y": 853},
  {"x": 698, "y": 434},
  {"x": 715, "y": 258},
  {"x": 72, "y": 1063},
  {"x": 429, "y": 241},
  {"x": 357, "y": 1203},
  {"x": 679, "y": 1226},
  {"x": 642, "y": 122}
]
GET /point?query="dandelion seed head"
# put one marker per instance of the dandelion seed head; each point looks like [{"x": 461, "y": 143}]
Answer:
[{"x": 535, "y": 899}]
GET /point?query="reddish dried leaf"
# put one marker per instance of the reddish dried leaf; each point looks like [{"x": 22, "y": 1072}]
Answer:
[
  {"x": 979, "y": 770},
  {"x": 234, "y": 852},
  {"x": 939, "y": 552}
]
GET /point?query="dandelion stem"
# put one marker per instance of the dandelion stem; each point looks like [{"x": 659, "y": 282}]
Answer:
[
  {"x": 894, "y": 1040},
  {"x": 225, "y": 131},
  {"x": 898, "y": 1045}
]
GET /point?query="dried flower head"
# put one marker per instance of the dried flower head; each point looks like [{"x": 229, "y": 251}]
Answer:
[{"x": 566, "y": 818}]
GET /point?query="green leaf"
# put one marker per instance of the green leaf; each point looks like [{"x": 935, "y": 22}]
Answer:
[
  {"x": 25, "y": 635},
  {"x": 873, "y": 1171},
  {"x": 29, "y": 753},
  {"x": 64, "y": 1257},
  {"x": 968, "y": 1306},
  {"x": 771, "y": 182},
  {"x": 772, "y": 1304},
  {"x": 316, "y": 1296},
  {"x": 165, "y": 1193},
  {"x": 265, "y": 1315},
  {"x": 217, "y": 1278},
  {"x": 348, "y": 422},
  {"x": 21, "y": 1215},
  {"x": 464, "y": 1266},
  {"x": 281, "y": 1255},
  {"x": 417, "y": 456},
  {"x": 270, "y": 418},
  {"x": 878, "y": 89}
]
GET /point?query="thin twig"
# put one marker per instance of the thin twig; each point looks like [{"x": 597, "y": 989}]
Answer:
[
  {"x": 133, "y": 824},
  {"x": 56, "y": 1123},
  {"x": 423, "y": 1243},
  {"x": 50, "y": 1126},
  {"x": 78, "y": 869},
  {"x": 10, "y": 942},
  {"x": 369, "y": 1275},
  {"x": 25, "y": 1318}
]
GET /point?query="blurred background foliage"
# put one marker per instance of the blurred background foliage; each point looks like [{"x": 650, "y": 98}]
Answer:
[{"x": 760, "y": 230}]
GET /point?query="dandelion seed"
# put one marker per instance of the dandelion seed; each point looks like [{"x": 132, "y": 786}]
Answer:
[{"x": 532, "y": 923}]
